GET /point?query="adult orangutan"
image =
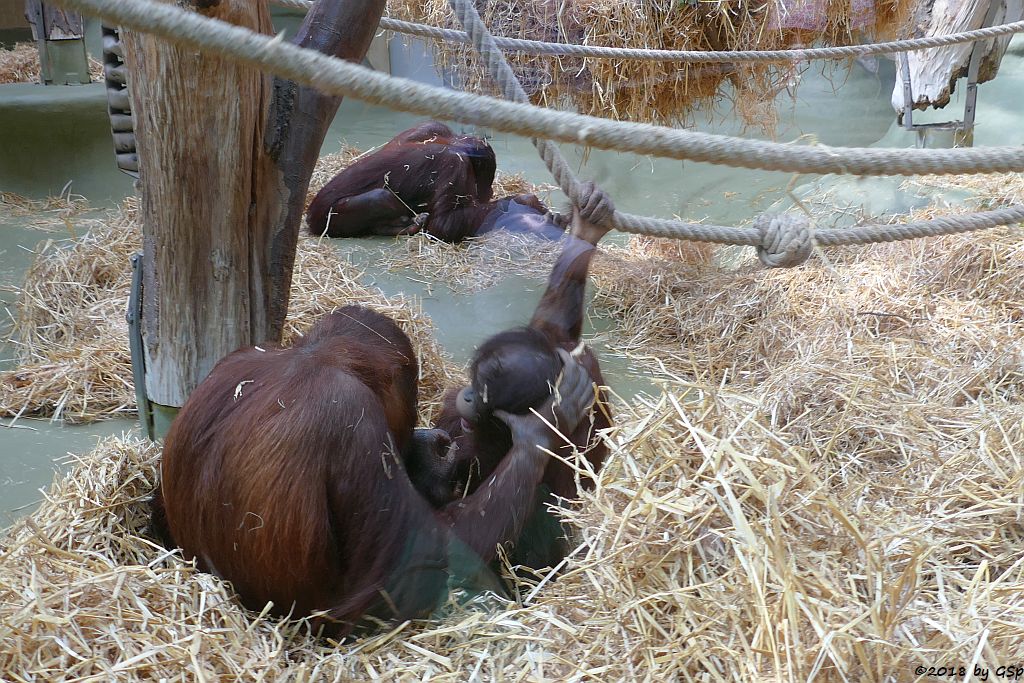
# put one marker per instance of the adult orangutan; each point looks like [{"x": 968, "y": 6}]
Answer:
[
  {"x": 425, "y": 178},
  {"x": 287, "y": 472}
]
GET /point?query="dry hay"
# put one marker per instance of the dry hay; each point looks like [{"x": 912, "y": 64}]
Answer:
[
  {"x": 991, "y": 190},
  {"x": 475, "y": 264},
  {"x": 655, "y": 91},
  {"x": 714, "y": 549},
  {"x": 20, "y": 64},
  {"x": 831, "y": 488},
  {"x": 46, "y": 211},
  {"x": 72, "y": 338}
]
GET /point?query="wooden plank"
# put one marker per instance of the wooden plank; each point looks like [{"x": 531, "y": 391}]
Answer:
[{"x": 62, "y": 24}]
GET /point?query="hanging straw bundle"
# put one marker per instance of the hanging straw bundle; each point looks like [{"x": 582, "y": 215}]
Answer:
[{"x": 658, "y": 91}]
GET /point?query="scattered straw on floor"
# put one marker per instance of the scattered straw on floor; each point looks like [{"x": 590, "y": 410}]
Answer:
[
  {"x": 20, "y": 64},
  {"x": 830, "y": 489},
  {"x": 714, "y": 548},
  {"x": 475, "y": 264},
  {"x": 44, "y": 211},
  {"x": 72, "y": 338}
]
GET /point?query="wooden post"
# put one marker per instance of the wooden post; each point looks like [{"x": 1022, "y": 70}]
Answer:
[
  {"x": 225, "y": 155},
  {"x": 60, "y": 37}
]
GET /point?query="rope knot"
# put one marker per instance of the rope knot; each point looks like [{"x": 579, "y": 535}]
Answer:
[{"x": 786, "y": 239}]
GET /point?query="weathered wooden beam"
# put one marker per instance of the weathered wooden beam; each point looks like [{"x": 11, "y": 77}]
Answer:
[
  {"x": 933, "y": 73},
  {"x": 298, "y": 119},
  {"x": 60, "y": 37}
]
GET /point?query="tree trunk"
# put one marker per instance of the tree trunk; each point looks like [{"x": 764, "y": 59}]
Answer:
[
  {"x": 934, "y": 72},
  {"x": 297, "y": 123},
  {"x": 225, "y": 155}
]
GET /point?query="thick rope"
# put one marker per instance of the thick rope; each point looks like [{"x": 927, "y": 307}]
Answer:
[
  {"x": 338, "y": 77},
  {"x": 510, "y": 87},
  {"x": 537, "y": 47},
  {"x": 781, "y": 241},
  {"x": 762, "y": 234}
]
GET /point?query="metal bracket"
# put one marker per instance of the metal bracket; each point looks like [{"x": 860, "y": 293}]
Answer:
[
  {"x": 962, "y": 128},
  {"x": 134, "y": 318}
]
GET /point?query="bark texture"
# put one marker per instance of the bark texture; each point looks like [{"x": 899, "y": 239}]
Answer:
[{"x": 225, "y": 156}]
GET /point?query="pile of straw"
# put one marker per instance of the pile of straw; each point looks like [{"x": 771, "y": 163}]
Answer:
[
  {"x": 659, "y": 92},
  {"x": 713, "y": 548},
  {"x": 72, "y": 338},
  {"x": 20, "y": 64},
  {"x": 829, "y": 489}
]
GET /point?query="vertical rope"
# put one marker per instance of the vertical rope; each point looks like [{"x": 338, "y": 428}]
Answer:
[{"x": 511, "y": 89}]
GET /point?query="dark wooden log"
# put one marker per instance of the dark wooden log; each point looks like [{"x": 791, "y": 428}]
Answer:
[{"x": 296, "y": 125}]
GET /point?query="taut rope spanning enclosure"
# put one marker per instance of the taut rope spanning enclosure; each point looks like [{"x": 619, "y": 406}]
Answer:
[
  {"x": 780, "y": 243},
  {"x": 538, "y": 47},
  {"x": 781, "y": 240},
  {"x": 339, "y": 77}
]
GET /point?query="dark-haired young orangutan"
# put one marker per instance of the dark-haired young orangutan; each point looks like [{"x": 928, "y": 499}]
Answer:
[
  {"x": 514, "y": 370},
  {"x": 425, "y": 178},
  {"x": 293, "y": 474}
]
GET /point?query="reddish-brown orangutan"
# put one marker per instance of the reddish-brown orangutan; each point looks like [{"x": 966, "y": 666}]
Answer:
[
  {"x": 425, "y": 178},
  {"x": 288, "y": 473},
  {"x": 513, "y": 371}
]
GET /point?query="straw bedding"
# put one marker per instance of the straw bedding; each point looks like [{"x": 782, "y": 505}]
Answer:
[
  {"x": 72, "y": 338},
  {"x": 830, "y": 488},
  {"x": 70, "y": 330},
  {"x": 659, "y": 92},
  {"x": 20, "y": 64},
  {"x": 44, "y": 212}
]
